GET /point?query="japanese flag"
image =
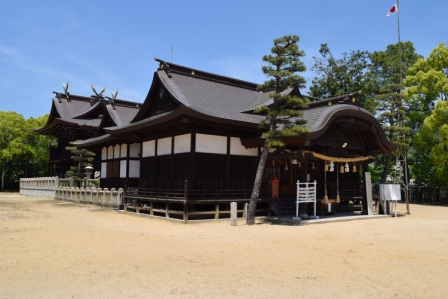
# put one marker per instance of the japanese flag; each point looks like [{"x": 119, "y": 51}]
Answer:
[{"x": 393, "y": 10}]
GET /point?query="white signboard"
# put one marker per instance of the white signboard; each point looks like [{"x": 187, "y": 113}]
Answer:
[{"x": 390, "y": 192}]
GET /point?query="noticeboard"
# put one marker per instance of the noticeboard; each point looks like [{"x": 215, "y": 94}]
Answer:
[{"x": 390, "y": 192}]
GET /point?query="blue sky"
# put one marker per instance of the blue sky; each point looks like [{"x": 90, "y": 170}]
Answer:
[{"x": 44, "y": 43}]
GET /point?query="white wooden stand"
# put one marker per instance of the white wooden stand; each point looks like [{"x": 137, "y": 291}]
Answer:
[{"x": 306, "y": 192}]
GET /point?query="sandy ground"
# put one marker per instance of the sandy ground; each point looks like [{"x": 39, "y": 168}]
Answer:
[{"x": 56, "y": 249}]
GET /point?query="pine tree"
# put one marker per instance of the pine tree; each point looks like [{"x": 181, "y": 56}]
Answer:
[
  {"x": 283, "y": 113},
  {"x": 83, "y": 158}
]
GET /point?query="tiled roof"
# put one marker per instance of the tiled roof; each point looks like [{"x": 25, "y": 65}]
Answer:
[
  {"x": 222, "y": 100},
  {"x": 212, "y": 98},
  {"x": 77, "y": 111},
  {"x": 96, "y": 140},
  {"x": 122, "y": 115},
  {"x": 229, "y": 101}
]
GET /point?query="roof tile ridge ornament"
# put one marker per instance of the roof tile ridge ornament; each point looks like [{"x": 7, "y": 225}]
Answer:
[
  {"x": 98, "y": 97},
  {"x": 164, "y": 66}
]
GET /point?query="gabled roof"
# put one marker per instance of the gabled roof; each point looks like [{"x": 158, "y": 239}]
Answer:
[
  {"x": 222, "y": 100},
  {"x": 203, "y": 92},
  {"x": 78, "y": 112},
  {"x": 212, "y": 98}
]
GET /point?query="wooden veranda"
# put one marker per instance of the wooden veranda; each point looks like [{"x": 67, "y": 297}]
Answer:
[{"x": 188, "y": 204}]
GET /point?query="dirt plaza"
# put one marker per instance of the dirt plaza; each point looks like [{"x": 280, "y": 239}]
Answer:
[{"x": 59, "y": 249}]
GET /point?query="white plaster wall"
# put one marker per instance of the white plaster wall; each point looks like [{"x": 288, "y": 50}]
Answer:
[
  {"x": 104, "y": 153},
  {"x": 124, "y": 151},
  {"x": 103, "y": 170},
  {"x": 164, "y": 146},
  {"x": 149, "y": 148},
  {"x": 134, "y": 168},
  {"x": 122, "y": 168},
  {"x": 134, "y": 150},
  {"x": 236, "y": 148},
  {"x": 212, "y": 144},
  {"x": 182, "y": 144}
]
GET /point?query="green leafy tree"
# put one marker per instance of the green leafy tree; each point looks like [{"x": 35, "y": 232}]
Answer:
[
  {"x": 283, "y": 114},
  {"x": 387, "y": 99},
  {"x": 37, "y": 165},
  {"x": 433, "y": 152},
  {"x": 23, "y": 153},
  {"x": 11, "y": 125},
  {"x": 426, "y": 173},
  {"x": 339, "y": 76},
  {"x": 427, "y": 82},
  {"x": 82, "y": 157}
]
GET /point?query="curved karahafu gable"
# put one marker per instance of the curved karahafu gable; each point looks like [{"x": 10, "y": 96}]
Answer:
[{"x": 331, "y": 126}]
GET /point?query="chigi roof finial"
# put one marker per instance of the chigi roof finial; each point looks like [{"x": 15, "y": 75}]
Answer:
[
  {"x": 67, "y": 94},
  {"x": 112, "y": 99},
  {"x": 98, "y": 96}
]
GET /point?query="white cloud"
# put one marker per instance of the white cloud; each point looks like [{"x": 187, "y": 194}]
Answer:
[
  {"x": 10, "y": 54},
  {"x": 15, "y": 59}
]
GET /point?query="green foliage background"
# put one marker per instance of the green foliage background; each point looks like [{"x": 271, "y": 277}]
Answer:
[{"x": 23, "y": 152}]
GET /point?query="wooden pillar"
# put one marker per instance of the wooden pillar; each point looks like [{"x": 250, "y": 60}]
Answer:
[
  {"x": 216, "y": 210},
  {"x": 304, "y": 178},
  {"x": 191, "y": 174},
  {"x": 304, "y": 170}
]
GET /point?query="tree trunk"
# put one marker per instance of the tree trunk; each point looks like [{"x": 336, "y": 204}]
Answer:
[
  {"x": 257, "y": 183},
  {"x": 386, "y": 169},
  {"x": 3, "y": 176}
]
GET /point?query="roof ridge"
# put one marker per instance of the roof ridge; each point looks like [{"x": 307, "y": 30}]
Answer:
[
  {"x": 169, "y": 68},
  {"x": 350, "y": 98},
  {"x": 120, "y": 102}
]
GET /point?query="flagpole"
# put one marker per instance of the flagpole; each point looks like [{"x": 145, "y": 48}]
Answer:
[
  {"x": 405, "y": 159},
  {"x": 399, "y": 46}
]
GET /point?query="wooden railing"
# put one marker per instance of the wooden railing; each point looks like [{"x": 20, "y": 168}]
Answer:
[{"x": 188, "y": 204}]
